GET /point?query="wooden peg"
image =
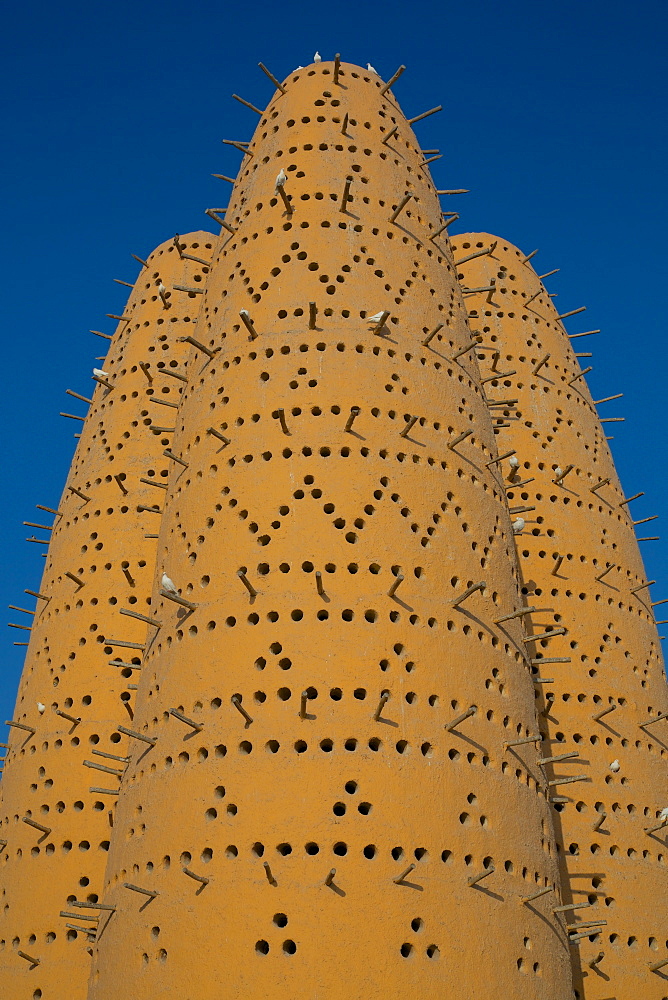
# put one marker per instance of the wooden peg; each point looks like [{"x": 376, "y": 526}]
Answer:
[
  {"x": 650, "y": 722},
  {"x": 607, "y": 399},
  {"x": 21, "y": 725},
  {"x": 121, "y": 485},
  {"x": 587, "y": 333},
  {"x": 400, "y": 207},
  {"x": 217, "y": 434},
  {"x": 400, "y": 880},
  {"x": 248, "y": 323},
  {"x": 236, "y": 701},
  {"x": 568, "y": 781},
  {"x": 152, "y": 482},
  {"x": 150, "y": 510},
  {"x": 197, "y": 726},
  {"x": 121, "y": 319},
  {"x": 390, "y": 134},
  {"x": 393, "y": 589},
  {"x": 29, "y": 958},
  {"x": 318, "y": 583},
  {"x": 110, "y": 756},
  {"x": 77, "y": 395},
  {"x": 655, "y": 966},
  {"x": 605, "y": 572},
  {"x": 103, "y": 767},
  {"x": 467, "y": 593},
  {"x": 425, "y": 114},
  {"x": 455, "y": 191},
  {"x": 98, "y": 333},
  {"x": 478, "y": 253},
  {"x": 599, "y": 821},
  {"x": 557, "y": 566},
  {"x": 126, "y": 666},
  {"x": 284, "y": 198},
  {"x": 384, "y": 698},
  {"x": 243, "y": 148},
  {"x": 453, "y": 218},
  {"x": 280, "y": 416},
  {"x": 430, "y": 336},
  {"x": 545, "y": 635},
  {"x": 464, "y": 350},
  {"x": 200, "y": 347},
  {"x": 198, "y": 878},
  {"x": 247, "y": 584},
  {"x": 312, "y": 313},
  {"x": 270, "y": 877},
  {"x": 644, "y": 520},
  {"x": 573, "y": 312},
  {"x": 330, "y": 876},
  {"x": 580, "y": 375},
  {"x": 151, "y": 740},
  {"x": 24, "y": 628},
  {"x": 70, "y": 718},
  {"x": 606, "y": 711},
  {"x": 526, "y": 739},
  {"x": 26, "y": 611},
  {"x": 346, "y": 194},
  {"x": 384, "y": 316},
  {"x": 548, "y": 274},
  {"x": 128, "y": 645},
  {"x": 337, "y": 68},
  {"x": 537, "y": 368},
  {"x": 591, "y": 923},
  {"x": 393, "y": 79},
  {"x": 659, "y": 826},
  {"x": 628, "y": 500},
  {"x": 557, "y": 757},
  {"x": 507, "y": 454},
  {"x": 137, "y": 888},
  {"x": 189, "y": 288},
  {"x": 549, "y": 888},
  {"x": 354, "y": 413},
  {"x": 246, "y": 104},
  {"x": 515, "y": 614},
  {"x": 46, "y": 830},
  {"x": 142, "y": 618},
  {"x": 528, "y": 257},
  {"x": 344, "y": 127},
  {"x": 215, "y": 214},
  {"x": 410, "y": 423},
  {"x": 177, "y": 600},
  {"x": 84, "y": 904},
  {"x": 478, "y": 878},
  {"x": 279, "y": 86},
  {"x": 83, "y": 496},
  {"x": 459, "y": 438},
  {"x": 431, "y": 159},
  {"x": 460, "y": 718},
  {"x": 175, "y": 458},
  {"x": 562, "y": 475},
  {"x": 77, "y": 579}
]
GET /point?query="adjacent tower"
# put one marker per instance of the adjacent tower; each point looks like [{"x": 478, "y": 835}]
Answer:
[
  {"x": 66, "y": 752},
  {"x": 605, "y": 699}
]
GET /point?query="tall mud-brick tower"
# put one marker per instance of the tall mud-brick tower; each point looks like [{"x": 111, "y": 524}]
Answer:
[
  {"x": 606, "y": 705},
  {"x": 325, "y": 806},
  {"x": 66, "y": 750}
]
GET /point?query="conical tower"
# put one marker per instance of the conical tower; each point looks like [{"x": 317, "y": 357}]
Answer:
[
  {"x": 321, "y": 798},
  {"x": 66, "y": 751},
  {"x": 606, "y": 704}
]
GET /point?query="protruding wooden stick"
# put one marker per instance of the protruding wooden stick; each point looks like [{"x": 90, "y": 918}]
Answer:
[
  {"x": 217, "y": 434},
  {"x": 400, "y": 207},
  {"x": 270, "y": 877},
  {"x": 198, "y": 878},
  {"x": 121, "y": 485},
  {"x": 384, "y": 698},
  {"x": 659, "y": 826},
  {"x": 580, "y": 374},
  {"x": 394, "y": 131},
  {"x": 189, "y": 288},
  {"x": 655, "y": 966},
  {"x": 526, "y": 739},
  {"x": 236, "y": 701},
  {"x": 77, "y": 579},
  {"x": 127, "y": 645},
  {"x": 478, "y": 878},
  {"x": 591, "y": 923},
  {"x": 573, "y": 312},
  {"x": 454, "y": 191},
  {"x": 77, "y": 395},
  {"x": 70, "y": 718},
  {"x": 330, "y": 876},
  {"x": 92, "y": 906},
  {"x": 568, "y": 781},
  {"x": 453, "y": 218},
  {"x": 280, "y": 415},
  {"x": 247, "y": 104},
  {"x": 400, "y": 880},
  {"x": 478, "y": 253},
  {"x": 151, "y": 740},
  {"x": 464, "y": 350},
  {"x": 548, "y": 274},
  {"x": 599, "y": 822},
  {"x": 199, "y": 345},
  {"x": 500, "y": 458},
  {"x": 98, "y": 333},
  {"x": 83, "y": 496},
  {"x": 286, "y": 201},
  {"x": 410, "y": 423},
  {"x": 459, "y": 438},
  {"x": 127, "y": 666},
  {"x": 393, "y": 589},
  {"x": 650, "y": 722},
  {"x": 393, "y": 79},
  {"x": 344, "y": 127},
  {"x": 279, "y": 86},
  {"x": 103, "y": 767},
  {"x": 346, "y": 195},
  {"x": 29, "y": 958},
  {"x": 178, "y": 600},
  {"x": 562, "y": 475},
  {"x": 515, "y": 614},
  {"x": 312, "y": 313},
  {"x": 425, "y": 114},
  {"x": 247, "y": 584},
  {"x": 337, "y": 68},
  {"x": 152, "y": 482},
  {"x": 560, "y": 756},
  {"x": 606, "y": 711},
  {"x": 543, "y": 361},
  {"x": 197, "y": 726},
  {"x": 318, "y": 583},
  {"x": 121, "y": 319},
  {"x": 467, "y": 593},
  {"x": 46, "y": 830},
  {"x": 430, "y": 336},
  {"x": 237, "y": 145},
  {"x": 605, "y": 572},
  {"x": 175, "y": 458},
  {"x": 460, "y": 718},
  {"x": 549, "y": 888},
  {"x": 248, "y": 323},
  {"x": 545, "y": 635},
  {"x": 142, "y": 618},
  {"x": 137, "y": 888},
  {"x": 354, "y": 413},
  {"x": 21, "y": 725},
  {"x": 628, "y": 500}
]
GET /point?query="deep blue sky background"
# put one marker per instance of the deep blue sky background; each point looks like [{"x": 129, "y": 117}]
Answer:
[{"x": 555, "y": 117}]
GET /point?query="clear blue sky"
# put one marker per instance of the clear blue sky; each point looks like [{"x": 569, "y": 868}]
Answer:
[{"x": 554, "y": 117}]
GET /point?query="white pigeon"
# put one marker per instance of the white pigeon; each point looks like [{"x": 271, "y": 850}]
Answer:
[
  {"x": 41, "y": 708},
  {"x": 518, "y": 525},
  {"x": 161, "y": 289},
  {"x": 615, "y": 766},
  {"x": 514, "y": 462},
  {"x": 243, "y": 312},
  {"x": 280, "y": 180},
  {"x": 371, "y": 69},
  {"x": 375, "y": 319},
  {"x": 558, "y": 472},
  {"x": 298, "y": 67},
  {"x": 168, "y": 585},
  {"x": 664, "y": 814},
  {"x": 317, "y": 57},
  {"x": 100, "y": 373}
]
